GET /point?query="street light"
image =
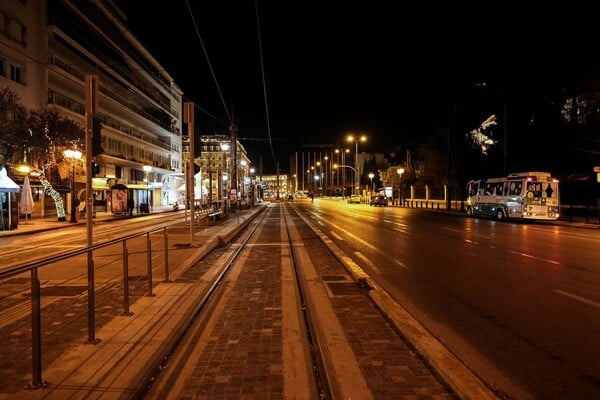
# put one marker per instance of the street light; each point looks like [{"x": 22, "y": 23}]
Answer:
[
  {"x": 252, "y": 184},
  {"x": 400, "y": 171},
  {"x": 225, "y": 177},
  {"x": 356, "y": 139},
  {"x": 371, "y": 176},
  {"x": 73, "y": 156}
]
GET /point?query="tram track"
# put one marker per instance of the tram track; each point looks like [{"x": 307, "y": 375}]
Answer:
[{"x": 237, "y": 256}]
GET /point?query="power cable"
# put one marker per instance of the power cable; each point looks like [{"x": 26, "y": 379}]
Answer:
[
  {"x": 187, "y": 3},
  {"x": 262, "y": 69}
]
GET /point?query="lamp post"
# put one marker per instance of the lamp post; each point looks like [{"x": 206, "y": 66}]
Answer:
[
  {"x": 224, "y": 178},
  {"x": 73, "y": 156},
  {"x": 356, "y": 139},
  {"x": 371, "y": 176},
  {"x": 400, "y": 171},
  {"x": 252, "y": 184}
]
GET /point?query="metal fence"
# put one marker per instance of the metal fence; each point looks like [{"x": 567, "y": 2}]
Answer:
[{"x": 33, "y": 266}]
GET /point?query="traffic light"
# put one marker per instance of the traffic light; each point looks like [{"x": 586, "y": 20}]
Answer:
[{"x": 95, "y": 169}]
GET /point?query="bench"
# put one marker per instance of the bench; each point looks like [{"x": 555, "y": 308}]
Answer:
[
  {"x": 202, "y": 212},
  {"x": 214, "y": 214}
]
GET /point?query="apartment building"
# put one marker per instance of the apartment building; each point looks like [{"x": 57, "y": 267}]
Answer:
[
  {"x": 220, "y": 174},
  {"x": 48, "y": 47}
]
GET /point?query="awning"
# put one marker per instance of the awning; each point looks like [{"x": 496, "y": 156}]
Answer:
[
  {"x": 7, "y": 184},
  {"x": 99, "y": 184}
]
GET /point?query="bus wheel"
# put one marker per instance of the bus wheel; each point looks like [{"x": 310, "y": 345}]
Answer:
[{"x": 499, "y": 214}]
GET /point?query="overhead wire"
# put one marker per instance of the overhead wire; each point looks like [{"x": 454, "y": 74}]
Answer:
[
  {"x": 262, "y": 70},
  {"x": 187, "y": 3}
]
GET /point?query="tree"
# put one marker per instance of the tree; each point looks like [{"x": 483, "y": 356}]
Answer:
[
  {"x": 36, "y": 138},
  {"x": 12, "y": 124},
  {"x": 50, "y": 133}
]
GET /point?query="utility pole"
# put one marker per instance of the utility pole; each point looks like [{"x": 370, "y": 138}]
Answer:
[
  {"x": 91, "y": 103},
  {"x": 188, "y": 116}
]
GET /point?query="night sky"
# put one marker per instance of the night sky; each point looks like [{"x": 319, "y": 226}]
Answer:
[{"x": 380, "y": 68}]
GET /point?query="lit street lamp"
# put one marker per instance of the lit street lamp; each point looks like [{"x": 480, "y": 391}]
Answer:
[
  {"x": 225, "y": 177},
  {"x": 73, "y": 156},
  {"x": 400, "y": 171},
  {"x": 356, "y": 139},
  {"x": 252, "y": 170},
  {"x": 371, "y": 176}
]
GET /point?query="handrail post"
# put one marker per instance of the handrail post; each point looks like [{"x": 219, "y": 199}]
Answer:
[
  {"x": 126, "y": 280},
  {"x": 149, "y": 262},
  {"x": 91, "y": 300},
  {"x": 166, "y": 245},
  {"x": 36, "y": 333}
]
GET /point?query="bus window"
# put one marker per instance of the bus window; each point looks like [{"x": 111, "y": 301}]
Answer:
[
  {"x": 535, "y": 188},
  {"x": 499, "y": 186},
  {"x": 515, "y": 188}
]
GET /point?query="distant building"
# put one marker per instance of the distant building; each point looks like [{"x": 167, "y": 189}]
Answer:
[{"x": 213, "y": 180}]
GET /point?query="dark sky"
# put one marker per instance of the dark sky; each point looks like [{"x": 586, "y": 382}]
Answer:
[{"x": 331, "y": 67}]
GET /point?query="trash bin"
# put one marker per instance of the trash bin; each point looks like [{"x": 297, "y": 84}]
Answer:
[{"x": 144, "y": 208}]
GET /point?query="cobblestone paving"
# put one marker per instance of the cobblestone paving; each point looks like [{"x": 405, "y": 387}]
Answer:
[
  {"x": 64, "y": 323},
  {"x": 243, "y": 358}
]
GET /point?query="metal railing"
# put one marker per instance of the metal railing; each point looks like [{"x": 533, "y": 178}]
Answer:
[{"x": 33, "y": 266}]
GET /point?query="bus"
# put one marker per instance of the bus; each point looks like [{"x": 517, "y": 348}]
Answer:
[{"x": 520, "y": 195}]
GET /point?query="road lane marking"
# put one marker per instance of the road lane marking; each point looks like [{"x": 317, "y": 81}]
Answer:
[
  {"x": 367, "y": 244},
  {"x": 578, "y": 298},
  {"x": 536, "y": 258}
]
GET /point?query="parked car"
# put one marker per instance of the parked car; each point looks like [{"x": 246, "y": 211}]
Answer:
[
  {"x": 354, "y": 199},
  {"x": 378, "y": 200}
]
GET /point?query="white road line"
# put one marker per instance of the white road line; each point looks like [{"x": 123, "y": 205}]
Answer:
[
  {"x": 536, "y": 258},
  {"x": 367, "y": 244},
  {"x": 578, "y": 298}
]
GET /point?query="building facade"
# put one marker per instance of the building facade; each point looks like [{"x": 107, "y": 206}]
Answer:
[
  {"x": 48, "y": 47},
  {"x": 220, "y": 175}
]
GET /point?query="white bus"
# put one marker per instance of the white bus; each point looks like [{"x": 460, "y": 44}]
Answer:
[{"x": 521, "y": 195}]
